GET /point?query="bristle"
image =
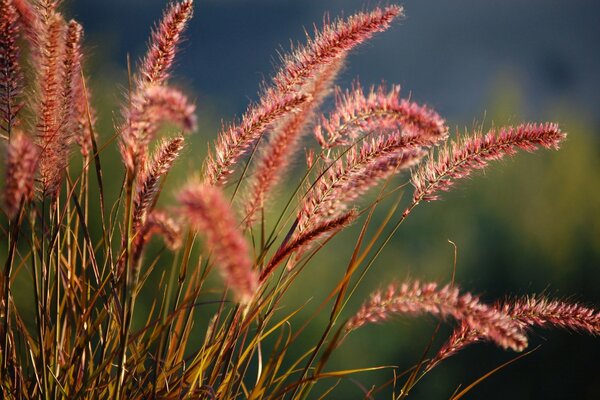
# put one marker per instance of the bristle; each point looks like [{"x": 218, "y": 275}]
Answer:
[
  {"x": 460, "y": 158},
  {"x": 331, "y": 43},
  {"x": 303, "y": 242},
  {"x": 151, "y": 108},
  {"x": 11, "y": 76},
  {"x": 380, "y": 110},
  {"x": 21, "y": 167},
  {"x": 149, "y": 178},
  {"x": 156, "y": 66},
  {"x": 209, "y": 212},
  {"x": 419, "y": 298}
]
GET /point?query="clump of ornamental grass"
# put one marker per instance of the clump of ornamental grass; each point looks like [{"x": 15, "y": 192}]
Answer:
[{"x": 80, "y": 341}]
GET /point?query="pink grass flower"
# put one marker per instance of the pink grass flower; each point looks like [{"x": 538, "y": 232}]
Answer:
[
  {"x": 528, "y": 312},
  {"x": 418, "y": 298},
  {"x": 458, "y": 159},
  {"x": 149, "y": 177},
  {"x": 304, "y": 241},
  {"x": 11, "y": 77},
  {"x": 328, "y": 47},
  {"x": 21, "y": 166},
  {"x": 331, "y": 43},
  {"x": 156, "y": 65},
  {"x": 275, "y": 158},
  {"x": 209, "y": 212}
]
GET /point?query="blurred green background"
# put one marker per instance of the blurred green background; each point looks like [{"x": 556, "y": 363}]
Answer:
[{"x": 530, "y": 224}]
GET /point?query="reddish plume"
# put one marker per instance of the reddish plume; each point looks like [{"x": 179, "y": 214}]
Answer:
[
  {"x": 156, "y": 66},
  {"x": 328, "y": 47},
  {"x": 149, "y": 178},
  {"x": 11, "y": 78},
  {"x": 458, "y": 159},
  {"x": 419, "y": 298},
  {"x": 276, "y": 157},
  {"x": 21, "y": 166},
  {"x": 209, "y": 212},
  {"x": 330, "y": 44}
]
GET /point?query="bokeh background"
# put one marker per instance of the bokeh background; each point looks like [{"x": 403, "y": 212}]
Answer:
[{"x": 531, "y": 224}]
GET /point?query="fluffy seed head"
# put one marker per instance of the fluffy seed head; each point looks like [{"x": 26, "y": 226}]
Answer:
[
  {"x": 234, "y": 141},
  {"x": 418, "y": 298},
  {"x": 21, "y": 166},
  {"x": 458, "y": 159},
  {"x": 156, "y": 66},
  {"x": 331, "y": 43},
  {"x": 150, "y": 176},
  {"x": 10, "y": 70},
  {"x": 209, "y": 212}
]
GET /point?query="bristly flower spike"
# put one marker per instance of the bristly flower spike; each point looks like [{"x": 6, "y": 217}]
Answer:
[
  {"x": 151, "y": 102},
  {"x": 21, "y": 166},
  {"x": 458, "y": 159},
  {"x": 10, "y": 70},
  {"x": 210, "y": 213},
  {"x": 528, "y": 312},
  {"x": 331, "y": 43},
  {"x": 156, "y": 66},
  {"x": 418, "y": 298},
  {"x": 150, "y": 176}
]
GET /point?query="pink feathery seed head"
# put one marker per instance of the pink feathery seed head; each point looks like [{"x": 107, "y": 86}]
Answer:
[
  {"x": 458, "y": 159},
  {"x": 11, "y": 77},
  {"x": 50, "y": 81},
  {"x": 21, "y": 166},
  {"x": 528, "y": 313},
  {"x": 150, "y": 109},
  {"x": 533, "y": 312},
  {"x": 380, "y": 110},
  {"x": 156, "y": 66},
  {"x": 417, "y": 298},
  {"x": 71, "y": 70},
  {"x": 150, "y": 175},
  {"x": 234, "y": 141},
  {"x": 210, "y": 213},
  {"x": 304, "y": 241},
  {"x": 330, "y": 43}
]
